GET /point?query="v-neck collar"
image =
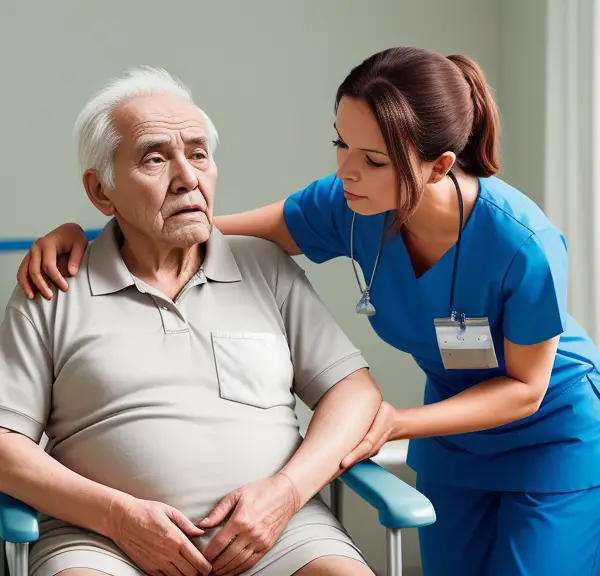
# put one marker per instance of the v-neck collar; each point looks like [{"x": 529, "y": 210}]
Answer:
[{"x": 449, "y": 254}]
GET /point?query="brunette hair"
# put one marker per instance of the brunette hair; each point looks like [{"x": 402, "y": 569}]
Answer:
[{"x": 427, "y": 104}]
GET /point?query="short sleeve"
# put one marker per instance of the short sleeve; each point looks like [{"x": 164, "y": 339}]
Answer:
[
  {"x": 322, "y": 354},
  {"x": 26, "y": 376},
  {"x": 535, "y": 290},
  {"x": 318, "y": 219}
]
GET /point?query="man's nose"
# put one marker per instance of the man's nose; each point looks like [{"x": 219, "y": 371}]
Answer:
[{"x": 184, "y": 177}]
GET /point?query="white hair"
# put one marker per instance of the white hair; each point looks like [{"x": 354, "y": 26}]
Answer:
[{"x": 95, "y": 132}]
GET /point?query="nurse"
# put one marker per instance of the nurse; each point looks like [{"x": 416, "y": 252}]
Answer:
[{"x": 467, "y": 274}]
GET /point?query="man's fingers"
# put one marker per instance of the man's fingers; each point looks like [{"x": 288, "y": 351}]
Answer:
[
  {"x": 183, "y": 566},
  {"x": 183, "y": 522},
  {"x": 223, "y": 539},
  {"x": 220, "y": 512},
  {"x": 235, "y": 564},
  {"x": 195, "y": 558},
  {"x": 231, "y": 552},
  {"x": 23, "y": 277},
  {"x": 256, "y": 556},
  {"x": 170, "y": 570}
]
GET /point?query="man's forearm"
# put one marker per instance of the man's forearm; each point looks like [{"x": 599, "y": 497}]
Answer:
[
  {"x": 28, "y": 474},
  {"x": 340, "y": 422}
]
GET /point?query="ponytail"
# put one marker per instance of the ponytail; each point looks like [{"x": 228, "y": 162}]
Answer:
[{"x": 480, "y": 156}]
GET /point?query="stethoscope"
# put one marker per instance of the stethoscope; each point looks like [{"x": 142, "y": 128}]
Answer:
[{"x": 365, "y": 306}]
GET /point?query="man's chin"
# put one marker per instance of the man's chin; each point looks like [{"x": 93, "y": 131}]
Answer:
[{"x": 190, "y": 235}]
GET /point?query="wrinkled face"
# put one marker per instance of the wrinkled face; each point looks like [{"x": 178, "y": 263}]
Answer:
[
  {"x": 363, "y": 162},
  {"x": 165, "y": 175}
]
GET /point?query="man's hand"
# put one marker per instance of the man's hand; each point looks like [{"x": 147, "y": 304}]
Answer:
[
  {"x": 382, "y": 430},
  {"x": 259, "y": 513},
  {"x": 156, "y": 537}
]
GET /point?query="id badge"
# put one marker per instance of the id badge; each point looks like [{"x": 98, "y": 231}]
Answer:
[{"x": 465, "y": 346}]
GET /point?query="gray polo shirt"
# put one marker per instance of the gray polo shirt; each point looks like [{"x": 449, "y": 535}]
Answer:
[{"x": 182, "y": 401}]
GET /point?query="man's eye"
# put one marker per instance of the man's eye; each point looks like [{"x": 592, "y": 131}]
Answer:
[
  {"x": 154, "y": 160},
  {"x": 199, "y": 156}
]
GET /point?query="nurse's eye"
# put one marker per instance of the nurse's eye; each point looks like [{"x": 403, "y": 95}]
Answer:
[
  {"x": 339, "y": 144},
  {"x": 372, "y": 163}
]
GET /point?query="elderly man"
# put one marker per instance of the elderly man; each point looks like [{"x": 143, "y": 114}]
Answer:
[{"x": 165, "y": 376}]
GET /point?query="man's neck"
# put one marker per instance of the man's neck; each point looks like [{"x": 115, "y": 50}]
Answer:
[{"x": 163, "y": 267}]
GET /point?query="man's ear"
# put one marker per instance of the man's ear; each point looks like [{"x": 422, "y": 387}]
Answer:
[
  {"x": 441, "y": 167},
  {"x": 97, "y": 192}
]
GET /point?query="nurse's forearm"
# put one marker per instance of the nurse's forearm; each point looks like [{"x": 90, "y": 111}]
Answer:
[
  {"x": 487, "y": 405},
  {"x": 29, "y": 474},
  {"x": 267, "y": 223},
  {"x": 340, "y": 422}
]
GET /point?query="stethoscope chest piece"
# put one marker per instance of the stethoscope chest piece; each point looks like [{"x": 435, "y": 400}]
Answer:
[{"x": 365, "y": 305}]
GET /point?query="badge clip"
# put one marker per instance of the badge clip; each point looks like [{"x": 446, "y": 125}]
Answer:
[{"x": 461, "y": 319}]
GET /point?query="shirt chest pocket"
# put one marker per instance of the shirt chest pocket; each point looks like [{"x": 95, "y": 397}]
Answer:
[{"x": 254, "y": 368}]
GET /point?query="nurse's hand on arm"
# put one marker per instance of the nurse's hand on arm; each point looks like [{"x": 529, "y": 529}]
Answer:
[
  {"x": 40, "y": 266},
  {"x": 155, "y": 536},
  {"x": 489, "y": 404},
  {"x": 260, "y": 511}
]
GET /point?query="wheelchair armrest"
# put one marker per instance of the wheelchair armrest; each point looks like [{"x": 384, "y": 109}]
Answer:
[
  {"x": 399, "y": 505},
  {"x": 18, "y": 522}
]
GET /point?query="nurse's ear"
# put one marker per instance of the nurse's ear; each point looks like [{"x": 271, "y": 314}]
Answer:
[{"x": 441, "y": 166}]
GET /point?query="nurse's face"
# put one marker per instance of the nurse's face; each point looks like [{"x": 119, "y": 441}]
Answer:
[{"x": 364, "y": 165}]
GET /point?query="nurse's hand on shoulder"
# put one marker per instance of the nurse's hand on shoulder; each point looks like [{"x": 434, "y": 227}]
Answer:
[
  {"x": 42, "y": 265},
  {"x": 382, "y": 430},
  {"x": 258, "y": 514}
]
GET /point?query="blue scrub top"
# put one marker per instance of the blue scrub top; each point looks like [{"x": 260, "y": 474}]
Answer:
[{"x": 513, "y": 269}]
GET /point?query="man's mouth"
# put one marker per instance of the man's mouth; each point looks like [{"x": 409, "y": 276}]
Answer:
[{"x": 188, "y": 210}]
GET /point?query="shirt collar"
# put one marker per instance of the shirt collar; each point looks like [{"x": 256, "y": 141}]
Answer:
[
  {"x": 107, "y": 272},
  {"x": 219, "y": 264}
]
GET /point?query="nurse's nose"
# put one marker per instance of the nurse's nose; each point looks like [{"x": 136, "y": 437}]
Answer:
[{"x": 347, "y": 168}]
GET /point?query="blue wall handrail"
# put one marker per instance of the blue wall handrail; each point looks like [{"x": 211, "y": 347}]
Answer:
[
  {"x": 16, "y": 244},
  {"x": 24, "y": 244}
]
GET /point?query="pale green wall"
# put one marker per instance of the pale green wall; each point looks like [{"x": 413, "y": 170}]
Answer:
[{"x": 521, "y": 93}]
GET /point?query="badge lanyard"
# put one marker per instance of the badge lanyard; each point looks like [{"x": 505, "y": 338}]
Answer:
[
  {"x": 463, "y": 349},
  {"x": 459, "y": 317}
]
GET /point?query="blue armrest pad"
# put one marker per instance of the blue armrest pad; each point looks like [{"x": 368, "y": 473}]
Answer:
[
  {"x": 399, "y": 505},
  {"x": 18, "y": 522}
]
